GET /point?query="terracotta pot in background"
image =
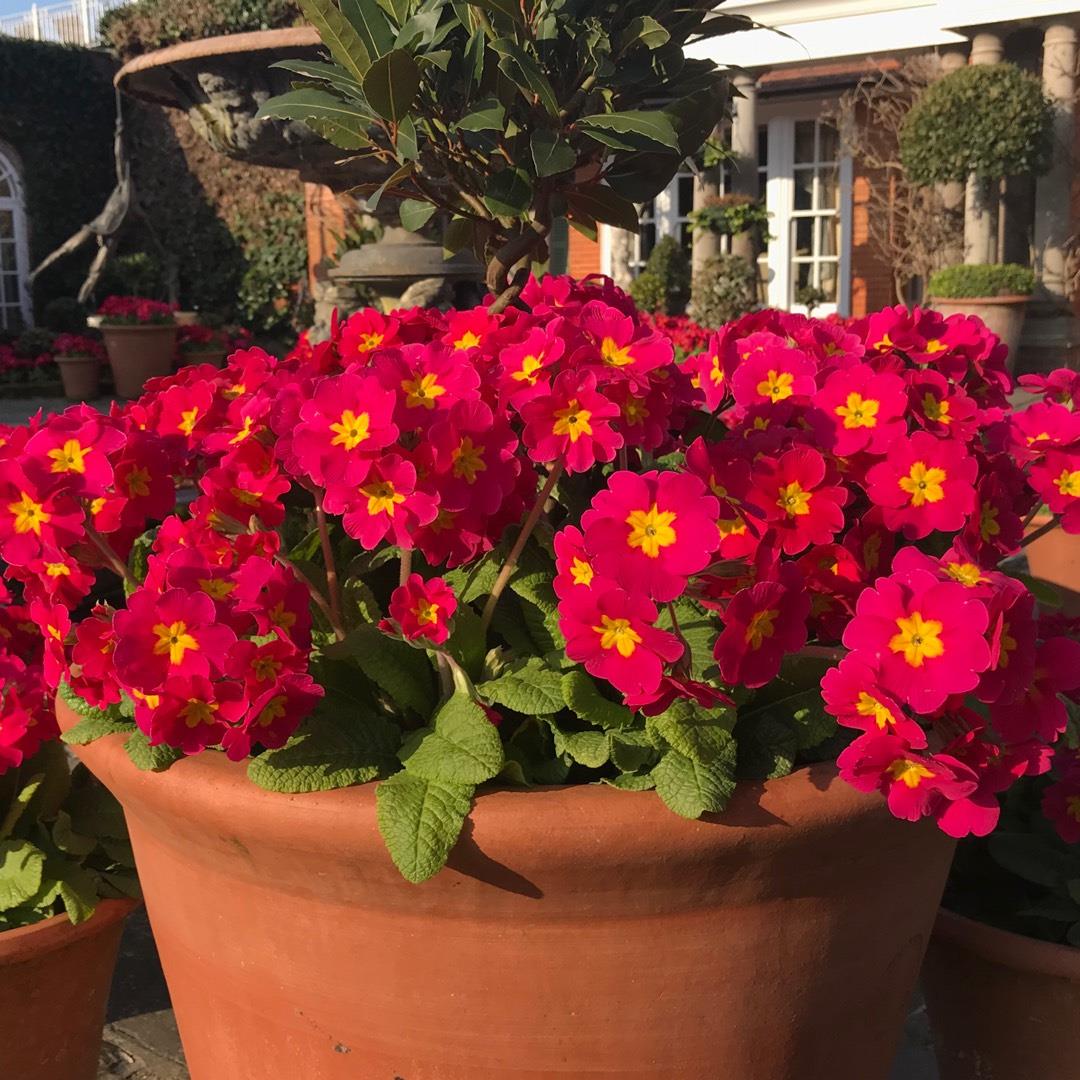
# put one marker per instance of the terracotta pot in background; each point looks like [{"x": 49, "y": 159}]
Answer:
[
  {"x": 54, "y": 986},
  {"x": 1004, "y": 315},
  {"x": 1002, "y": 1006},
  {"x": 216, "y": 357},
  {"x": 81, "y": 376},
  {"x": 186, "y": 318},
  {"x": 577, "y": 931},
  {"x": 1055, "y": 558},
  {"x": 137, "y": 353}
]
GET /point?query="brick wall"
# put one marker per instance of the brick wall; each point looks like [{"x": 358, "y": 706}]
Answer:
[
  {"x": 871, "y": 277},
  {"x": 583, "y": 255}
]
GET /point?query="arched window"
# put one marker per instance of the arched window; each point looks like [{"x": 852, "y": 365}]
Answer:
[{"x": 14, "y": 256}]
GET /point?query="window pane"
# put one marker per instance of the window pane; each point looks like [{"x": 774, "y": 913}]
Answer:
[
  {"x": 828, "y": 150},
  {"x": 804, "y": 181},
  {"x": 685, "y": 195},
  {"x": 7, "y": 224},
  {"x": 803, "y": 275},
  {"x": 830, "y": 236},
  {"x": 804, "y": 140},
  {"x": 7, "y": 255},
  {"x": 763, "y": 144},
  {"x": 648, "y": 240},
  {"x": 686, "y": 237},
  {"x": 804, "y": 236},
  {"x": 828, "y": 279},
  {"x": 829, "y": 188}
]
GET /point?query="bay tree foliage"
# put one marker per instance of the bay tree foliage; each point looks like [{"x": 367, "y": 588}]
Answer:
[{"x": 505, "y": 115}]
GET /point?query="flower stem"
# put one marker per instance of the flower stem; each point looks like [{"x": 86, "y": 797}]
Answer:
[
  {"x": 333, "y": 587},
  {"x": 406, "y": 566},
  {"x": 1052, "y": 524},
  {"x": 320, "y": 600},
  {"x": 821, "y": 652},
  {"x": 115, "y": 562},
  {"x": 510, "y": 565}
]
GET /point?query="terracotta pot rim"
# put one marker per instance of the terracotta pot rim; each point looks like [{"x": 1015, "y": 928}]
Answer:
[
  {"x": 1009, "y": 949},
  {"x": 1006, "y": 300},
  {"x": 75, "y": 358},
  {"x": 216, "y": 793},
  {"x": 58, "y": 931},
  {"x": 222, "y": 45},
  {"x": 124, "y": 328}
]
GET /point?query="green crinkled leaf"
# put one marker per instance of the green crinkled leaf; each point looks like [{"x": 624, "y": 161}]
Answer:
[
  {"x": 532, "y": 746},
  {"x": 704, "y": 735},
  {"x": 95, "y": 812},
  {"x": 690, "y": 788},
  {"x": 631, "y": 751},
  {"x": 150, "y": 758},
  {"x": 768, "y": 746},
  {"x": 583, "y": 698},
  {"x": 630, "y": 782},
  {"x": 79, "y": 892},
  {"x": 74, "y": 701},
  {"x": 528, "y": 687},
  {"x": 1032, "y": 858},
  {"x": 69, "y": 841},
  {"x": 21, "y": 868},
  {"x": 391, "y": 84},
  {"x": 335, "y": 748},
  {"x": 420, "y": 821},
  {"x": 400, "y": 671},
  {"x": 477, "y": 579},
  {"x": 467, "y": 643},
  {"x": 139, "y": 558},
  {"x": 463, "y": 746},
  {"x": 589, "y": 748},
  {"x": 95, "y": 727}
]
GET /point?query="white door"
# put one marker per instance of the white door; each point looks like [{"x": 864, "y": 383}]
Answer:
[{"x": 15, "y": 311}]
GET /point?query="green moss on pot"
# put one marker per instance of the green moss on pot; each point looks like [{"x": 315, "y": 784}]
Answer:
[{"x": 966, "y": 282}]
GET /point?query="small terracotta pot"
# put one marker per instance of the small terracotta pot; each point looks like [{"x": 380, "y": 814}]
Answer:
[
  {"x": 1055, "y": 558},
  {"x": 1003, "y": 315},
  {"x": 1002, "y": 1006},
  {"x": 215, "y": 357},
  {"x": 137, "y": 353},
  {"x": 186, "y": 318},
  {"x": 81, "y": 376},
  {"x": 577, "y": 931},
  {"x": 54, "y": 986}
]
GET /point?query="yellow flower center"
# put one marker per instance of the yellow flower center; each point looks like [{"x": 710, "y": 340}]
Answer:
[
  {"x": 1068, "y": 483},
  {"x": 935, "y": 346},
  {"x": 793, "y": 500},
  {"x": 936, "y": 409},
  {"x": 731, "y": 526},
  {"x": 530, "y": 369},
  {"x": 137, "y": 482},
  {"x": 988, "y": 522},
  {"x": 174, "y": 641},
  {"x": 859, "y": 411},
  {"x": 868, "y": 705},
  {"x": 281, "y": 616},
  {"x": 918, "y": 639},
  {"x": 871, "y": 551},
  {"x": 651, "y": 530},
  {"x": 573, "y": 421},
  {"x": 618, "y": 634},
  {"x": 613, "y": 355},
  {"x": 97, "y": 505},
  {"x": 923, "y": 484},
  {"x": 71, "y": 457},
  {"x": 188, "y": 419},
  {"x": 274, "y": 710},
  {"x": 634, "y": 411},
  {"x": 351, "y": 430},
  {"x": 968, "y": 574},
  {"x": 243, "y": 433},
  {"x": 29, "y": 515},
  {"x": 1007, "y": 645},
  {"x": 776, "y": 386},
  {"x": 368, "y": 342},
  {"x": 382, "y": 498},
  {"x": 581, "y": 572},
  {"x": 216, "y": 588},
  {"x": 57, "y": 569},
  {"x": 426, "y": 612},
  {"x": 762, "y": 625},
  {"x": 716, "y": 372},
  {"x": 422, "y": 391},
  {"x": 909, "y": 773},
  {"x": 197, "y": 712},
  {"x": 468, "y": 460},
  {"x": 468, "y": 340},
  {"x": 265, "y": 668}
]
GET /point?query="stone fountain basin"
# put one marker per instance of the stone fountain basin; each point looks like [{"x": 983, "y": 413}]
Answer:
[{"x": 221, "y": 82}]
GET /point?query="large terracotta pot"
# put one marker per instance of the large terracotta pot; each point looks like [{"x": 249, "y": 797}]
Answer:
[
  {"x": 1002, "y": 1006},
  {"x": 81, "y": 376},
  {"x": 54, "y": 986},
  {"x": 577, "y": 931},
  {"x": 137, "y": 353},
  {"x": 1055, "y": 558},
  {"x": 214, "y": 357},
  {"x": 1004, "y": 315}
]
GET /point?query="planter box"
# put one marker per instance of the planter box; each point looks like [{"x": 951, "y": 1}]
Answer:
[
  {"x": 577, "y": 931},
  {"x": 1003, "y": 315},
  {"x": 54, "y": 986},
  {"x": 1002, "y": 1006}
]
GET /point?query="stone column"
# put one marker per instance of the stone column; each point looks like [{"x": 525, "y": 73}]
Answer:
[
  {"x": 952, "y": 194},
  {"x": 622, "y": 251},
  {"x": 980, "y": 205},
  {"x": 705, "y": 245},
  {"x": 744, "y": 145},
  {"x": 1053, "y": 191}
]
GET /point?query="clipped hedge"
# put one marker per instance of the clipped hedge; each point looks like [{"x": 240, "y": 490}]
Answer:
[
  {"x": 965, "y": 281},
  {"x": 56, "y": 113},
  {"x": 990, "y": 120},
  {"x": 151, "y": 24}
]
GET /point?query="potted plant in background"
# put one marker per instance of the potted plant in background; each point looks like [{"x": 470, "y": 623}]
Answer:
[
  {"x": 200, "y": 345},
  {"x": 65, "y": 864},
  {"x": 1002, "y": 975},
  {"x": 730, "y": 214},
  {"x": 79, "y": 359},
  {"x": 140, "y": 339},
  {"x": 998, "y": 295}
]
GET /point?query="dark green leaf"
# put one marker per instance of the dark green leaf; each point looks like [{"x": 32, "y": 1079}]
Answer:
[
  {"x": 1032, "y": 858},
  {"x": 370, "y": 23},
  {"x": 391, "y": 84},
  {"x": 509, "y": 193},
  {"x": 767, "y": 746},
  {"x": 696, "y": 733},
  {"x": 551, "y": 153},
  {"x": 526, "y": 74},
  {"x": 487, "y": 115},
  {"x": 402, "y": 672},
  {"x": 509, "y": 8},
  {"x": 95, "y": 727},
  {"x": 632, "y": 130},
  {"x": 338, "y": 35},
  {"x": 583, "y": 697},
  {"x": 338, "y": 121},
  {"x": 647, "y": 31},
  {"x": 415, "y": 214},
  {"x": 589, "y": 748},
  {"x": 333, "y": 74},
  {"x": 398, "y": 10},
  {"x": 603, "y": 204}
]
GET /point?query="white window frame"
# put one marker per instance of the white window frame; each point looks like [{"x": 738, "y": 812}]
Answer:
[
  {"x": 780, "y": 198},
  {"x": 16, "y": 203}
]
